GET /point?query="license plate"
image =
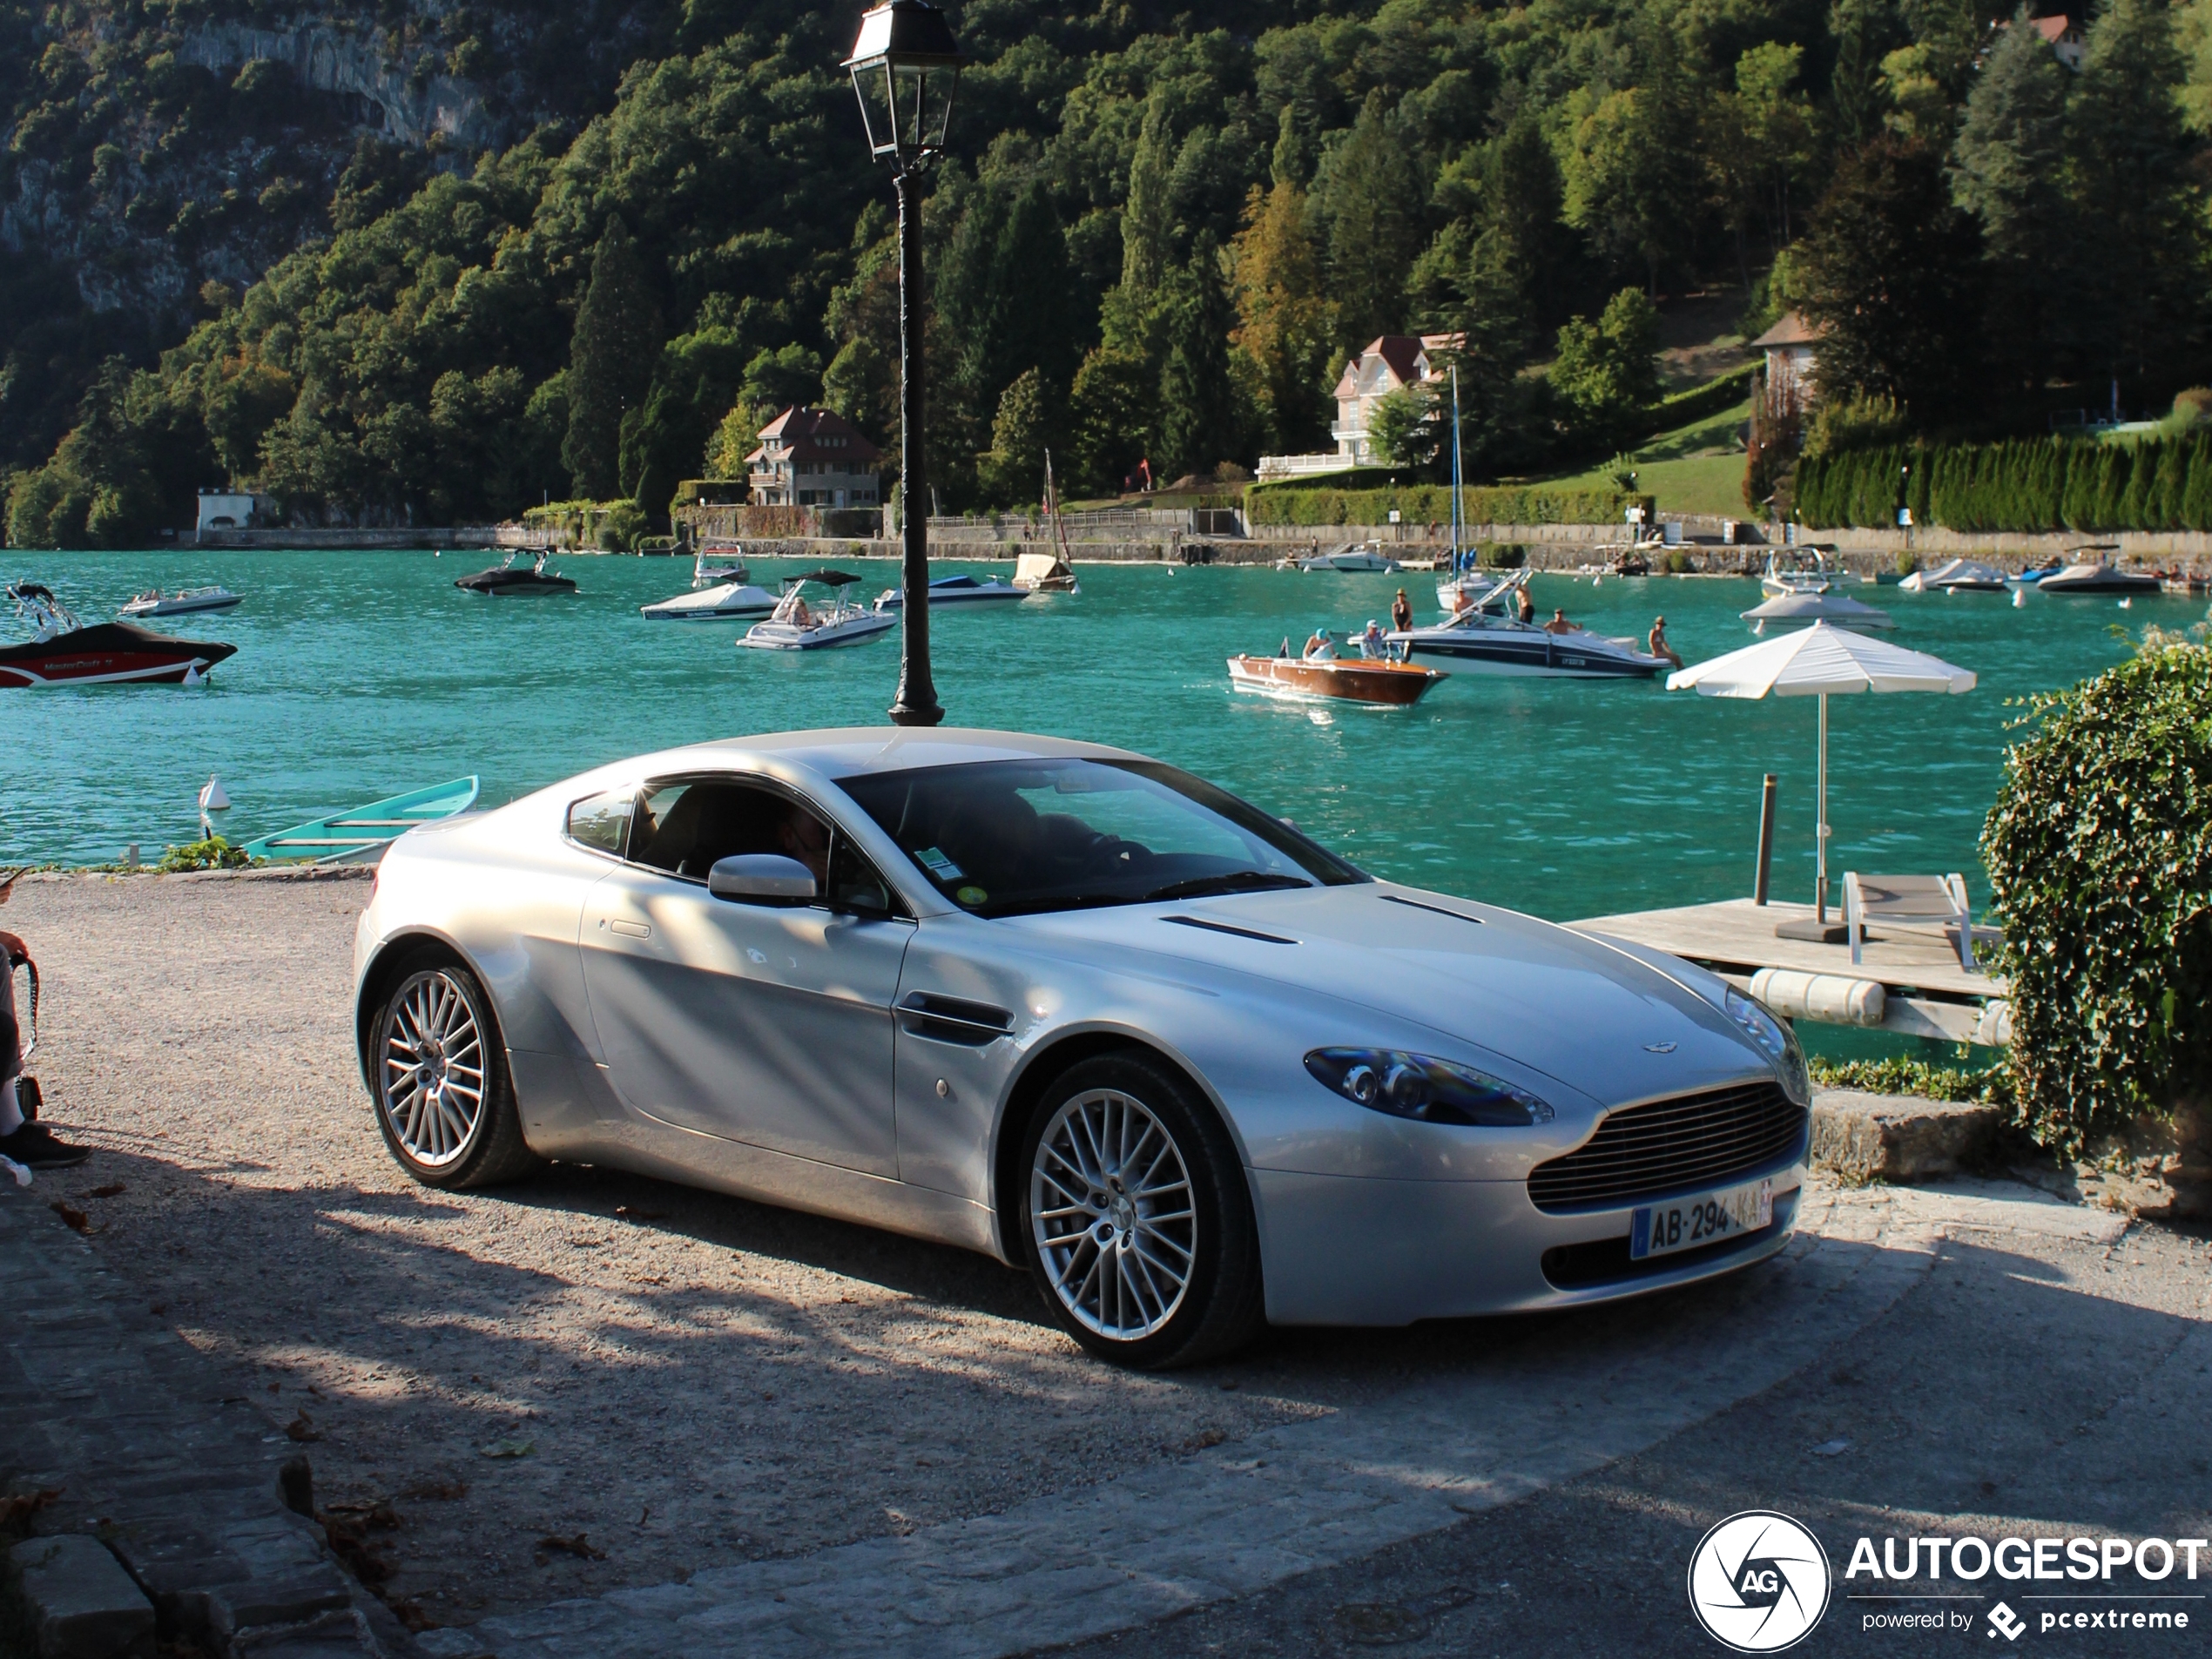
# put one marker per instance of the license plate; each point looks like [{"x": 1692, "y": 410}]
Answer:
[{"x": 1662, "y": 1229}]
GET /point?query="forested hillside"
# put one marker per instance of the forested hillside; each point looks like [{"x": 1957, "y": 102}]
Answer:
[{"x": 431, "y": 262}]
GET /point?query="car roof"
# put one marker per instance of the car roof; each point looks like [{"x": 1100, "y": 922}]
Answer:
[{"x": 847, "y": 752}]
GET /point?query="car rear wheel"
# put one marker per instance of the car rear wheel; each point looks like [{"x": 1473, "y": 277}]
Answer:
[
  {"x": 1136, "y": 1221},
  {"x": 444, "y": 1101}
]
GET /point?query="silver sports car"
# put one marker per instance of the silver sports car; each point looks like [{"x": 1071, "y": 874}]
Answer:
[{"x": 1081, "y": 1011}]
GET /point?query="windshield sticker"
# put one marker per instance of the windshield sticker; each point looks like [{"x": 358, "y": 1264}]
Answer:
[
  {"x": 971, "y": 895},
  {"x": 938, "y": 865}
]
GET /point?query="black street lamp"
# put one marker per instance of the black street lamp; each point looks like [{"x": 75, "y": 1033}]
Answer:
[{"x": 905, "y": 66}]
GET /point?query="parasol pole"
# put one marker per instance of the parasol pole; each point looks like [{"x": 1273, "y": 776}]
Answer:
[{"x": 1820, "y": 837}]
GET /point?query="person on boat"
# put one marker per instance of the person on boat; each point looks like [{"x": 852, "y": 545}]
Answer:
[
  {"x": 1321, "y": 648},
  {"x": 22, "y": 1140},
  {"x": 1658, "y": 644},
  {"x": 1559, "y": 624},
  {"x": 1373, "y": 647},
  {"x": 1401, "y": 612},
  {"x": 1285, "y": 652}
]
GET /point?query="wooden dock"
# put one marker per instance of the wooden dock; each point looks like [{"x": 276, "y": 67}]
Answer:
[{"x": 1926, "y": 993}]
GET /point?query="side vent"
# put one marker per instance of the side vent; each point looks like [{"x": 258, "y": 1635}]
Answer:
[{"x": 949, "y": 1019}]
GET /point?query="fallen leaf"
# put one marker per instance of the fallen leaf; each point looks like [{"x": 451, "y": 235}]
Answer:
[
  {"x": 410, "y": 1614},
  {"x": 20, "y": 1506},
  {"x": 1200, "y": 1441},
  {"x": 580, "y": 1546},
  {"x": 302, "y": 1428},
  {"x": 626, "y": 1213},
  {"x": 108, "y": 1192},
  {"x": 508, "y": 1448},
  {"x": 74, "y": 1218}
]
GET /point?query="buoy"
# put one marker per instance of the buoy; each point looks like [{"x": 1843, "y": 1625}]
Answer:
[
  {"x": 2019, "y": 598},
  {"x": 193, "y": 677},
  {"x": 2124, "y": 603}
]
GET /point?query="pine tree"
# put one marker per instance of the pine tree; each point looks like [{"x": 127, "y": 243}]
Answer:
[
  {"x": 1370, "y": 191},
  {"x": 611, "y": 362},
  {"x": 1147, "y": 225},
  {"x": 1197, "y": 409}
]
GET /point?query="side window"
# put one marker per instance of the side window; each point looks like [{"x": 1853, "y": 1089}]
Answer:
[
  {"x": 602, "y": 822},
  {"x": 684, "y": 826},
  {"x": 855, "y": 885}
]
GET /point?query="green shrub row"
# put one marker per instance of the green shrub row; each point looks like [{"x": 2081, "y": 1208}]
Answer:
[
  {"x": 1715, "y": 397},
  {"x": 2026, "y": 485},
  {"x": 1432, "y": 503}
]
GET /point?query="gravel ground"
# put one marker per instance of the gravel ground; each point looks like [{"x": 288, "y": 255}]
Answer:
[{"x": 698, "y": 1380}]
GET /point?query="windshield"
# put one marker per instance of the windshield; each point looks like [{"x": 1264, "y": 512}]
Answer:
[{"x": 1010, "y": 838}]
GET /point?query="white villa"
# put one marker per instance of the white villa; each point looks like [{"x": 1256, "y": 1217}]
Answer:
[
  {"x": 228, "y": 509},
  {"x": 814, "y": 458},
  {"x": 1388, "y": 362}
]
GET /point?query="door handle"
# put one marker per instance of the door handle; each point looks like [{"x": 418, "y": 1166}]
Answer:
[{"x": 631, "y": 929}]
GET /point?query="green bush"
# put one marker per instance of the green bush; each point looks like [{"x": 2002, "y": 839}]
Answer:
[
  {"x": 1991, "y": 1084},
  {"x": 214, "y": 854},
  {"x": 2099, "y": 857},
  {"x": 1500, "y": 555},
  {"x": 1432, "y": 503},
  {"x": 2023, "y": 484}
]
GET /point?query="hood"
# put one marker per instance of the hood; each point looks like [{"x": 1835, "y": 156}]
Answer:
[{"x": 1608, "y": 1023}]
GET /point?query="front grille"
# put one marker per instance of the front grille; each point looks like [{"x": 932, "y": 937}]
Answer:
[{"x": 1672, "y": 1146}]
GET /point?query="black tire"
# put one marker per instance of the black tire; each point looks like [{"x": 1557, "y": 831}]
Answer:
[
  {"x": 1219, "y": 1306},
  {"x": 432, "y": 1132}
]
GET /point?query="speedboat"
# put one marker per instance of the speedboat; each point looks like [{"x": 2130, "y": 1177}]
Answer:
[
  {"x": 797, "y": 625},
  {"x": 1798, "y": 570},
  {"x": 1959, "y": 576},
  {"x": 504, "y": 581},
  {"x": 1379, "y": 682},
  {"x": 63, "y": 652},
  {"x": 955, "y": 590},
  {"x": 718, "y": 562},
  {"x": 1792, "y": 609},
  {"x": 1483, "y": 639},
  {"x": 154, "y": 602},
  {"x": 2034, "y": 578},
  {"x": 731, "y": 601},
  {"x": 2097, "y": 579},
  {"x": 1351, "y": 556}
]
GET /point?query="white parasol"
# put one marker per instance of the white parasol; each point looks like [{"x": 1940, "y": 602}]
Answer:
[{"x": 1822, "y": 662}]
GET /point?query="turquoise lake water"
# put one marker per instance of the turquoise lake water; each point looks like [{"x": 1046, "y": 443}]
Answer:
[{"x": 360, "y": 675}]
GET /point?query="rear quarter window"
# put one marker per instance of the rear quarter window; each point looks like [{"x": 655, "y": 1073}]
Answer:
[{"x": 602, "y": 822}]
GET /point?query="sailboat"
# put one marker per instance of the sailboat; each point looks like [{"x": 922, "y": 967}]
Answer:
[
  {"x": 1469, "y": 586},
  {"x": 1047, "y": 572}
]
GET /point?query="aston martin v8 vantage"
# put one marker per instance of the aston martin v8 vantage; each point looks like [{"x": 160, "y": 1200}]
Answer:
[{"x": 1081, "y": 1011}]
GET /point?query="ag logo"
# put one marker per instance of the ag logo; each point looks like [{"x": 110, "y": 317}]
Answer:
[{"x": 1758, "y": 1581}]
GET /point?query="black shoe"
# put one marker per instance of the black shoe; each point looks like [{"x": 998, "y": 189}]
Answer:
[{"x": 35, "y": 1148}]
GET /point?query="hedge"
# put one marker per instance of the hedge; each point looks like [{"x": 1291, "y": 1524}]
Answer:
[
  {"x": 2026, "y": 485},
  {"x": 1715, "y": 397},
  {"x": 2100, "y": 856},
  {"x": 1432, "y": 503}
]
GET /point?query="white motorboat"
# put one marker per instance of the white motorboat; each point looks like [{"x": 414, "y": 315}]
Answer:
[
  {"x": 1803, "y": 610},
  {"x": 797, "y": 625},
  {"x": 155, "y": 603},
  {"x": 2097, "y": 576},
  {"x": 1959, "y": 576},
  {"x": 731, "y": 602},
  {"x": 1351, "y": 556},
  {"x": 1798, "y": 570},
  {"x": 955, "y": 590},
  {"x": 717, "y": 563},
  {"x": 1482, "y": 638}
]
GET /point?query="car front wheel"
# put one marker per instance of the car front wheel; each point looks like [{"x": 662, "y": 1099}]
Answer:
[
  {"x": 1137, "y": 1223},
  {"x": 444, "y": 1101}
]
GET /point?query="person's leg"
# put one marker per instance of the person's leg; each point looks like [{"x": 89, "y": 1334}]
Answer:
[{"x": 11, "y": 1053}]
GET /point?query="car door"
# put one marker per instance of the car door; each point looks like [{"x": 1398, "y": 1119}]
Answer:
[{"x": 765, "y": 1023}]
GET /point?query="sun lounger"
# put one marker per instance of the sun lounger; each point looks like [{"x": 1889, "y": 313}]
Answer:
[{"x": 1912, "y": 898}]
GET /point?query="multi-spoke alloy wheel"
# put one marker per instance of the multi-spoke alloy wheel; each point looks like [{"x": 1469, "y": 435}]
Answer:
[
  {"x": 430, "y": 1069},
  {"x": 1113, "y": 1214}
]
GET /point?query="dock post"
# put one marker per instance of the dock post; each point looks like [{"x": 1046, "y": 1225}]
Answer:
[{"x": 1766, "y": 839}]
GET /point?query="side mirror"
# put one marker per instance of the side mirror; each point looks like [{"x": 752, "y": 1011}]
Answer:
[{"x": 761, "y": 877}]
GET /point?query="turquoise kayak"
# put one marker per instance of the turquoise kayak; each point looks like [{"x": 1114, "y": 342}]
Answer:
[{"x": 367, "y": 829}]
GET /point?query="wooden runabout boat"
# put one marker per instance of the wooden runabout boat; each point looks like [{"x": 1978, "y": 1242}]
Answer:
[{"x": 1341, "y": 679}]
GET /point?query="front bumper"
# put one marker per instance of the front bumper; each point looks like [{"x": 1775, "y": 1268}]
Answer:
[{"x": 1349, "y": 1250}]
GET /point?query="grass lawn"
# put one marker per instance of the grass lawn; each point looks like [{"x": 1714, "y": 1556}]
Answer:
[{"x": 1696, "y": 469}]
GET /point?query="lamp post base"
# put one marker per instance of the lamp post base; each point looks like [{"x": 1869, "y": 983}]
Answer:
[{"x": 905, "y": 714}]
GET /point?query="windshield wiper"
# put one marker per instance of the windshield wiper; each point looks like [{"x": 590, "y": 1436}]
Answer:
[{"x": 1199, "y": 886}]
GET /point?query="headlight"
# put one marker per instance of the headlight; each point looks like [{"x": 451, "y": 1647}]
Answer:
[
  {"x": 1431, "y": 1091},
  {"x": 1776, "y": 1041}
]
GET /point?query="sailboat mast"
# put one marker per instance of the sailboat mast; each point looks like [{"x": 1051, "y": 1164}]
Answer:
[{"x": 1457, "y": 493}]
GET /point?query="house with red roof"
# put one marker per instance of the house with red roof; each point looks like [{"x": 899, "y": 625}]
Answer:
[
  {"x": 1387, "y": 363},
  {"x": 1792, "y": 347},
  {"x": 814, "y": 458}
]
